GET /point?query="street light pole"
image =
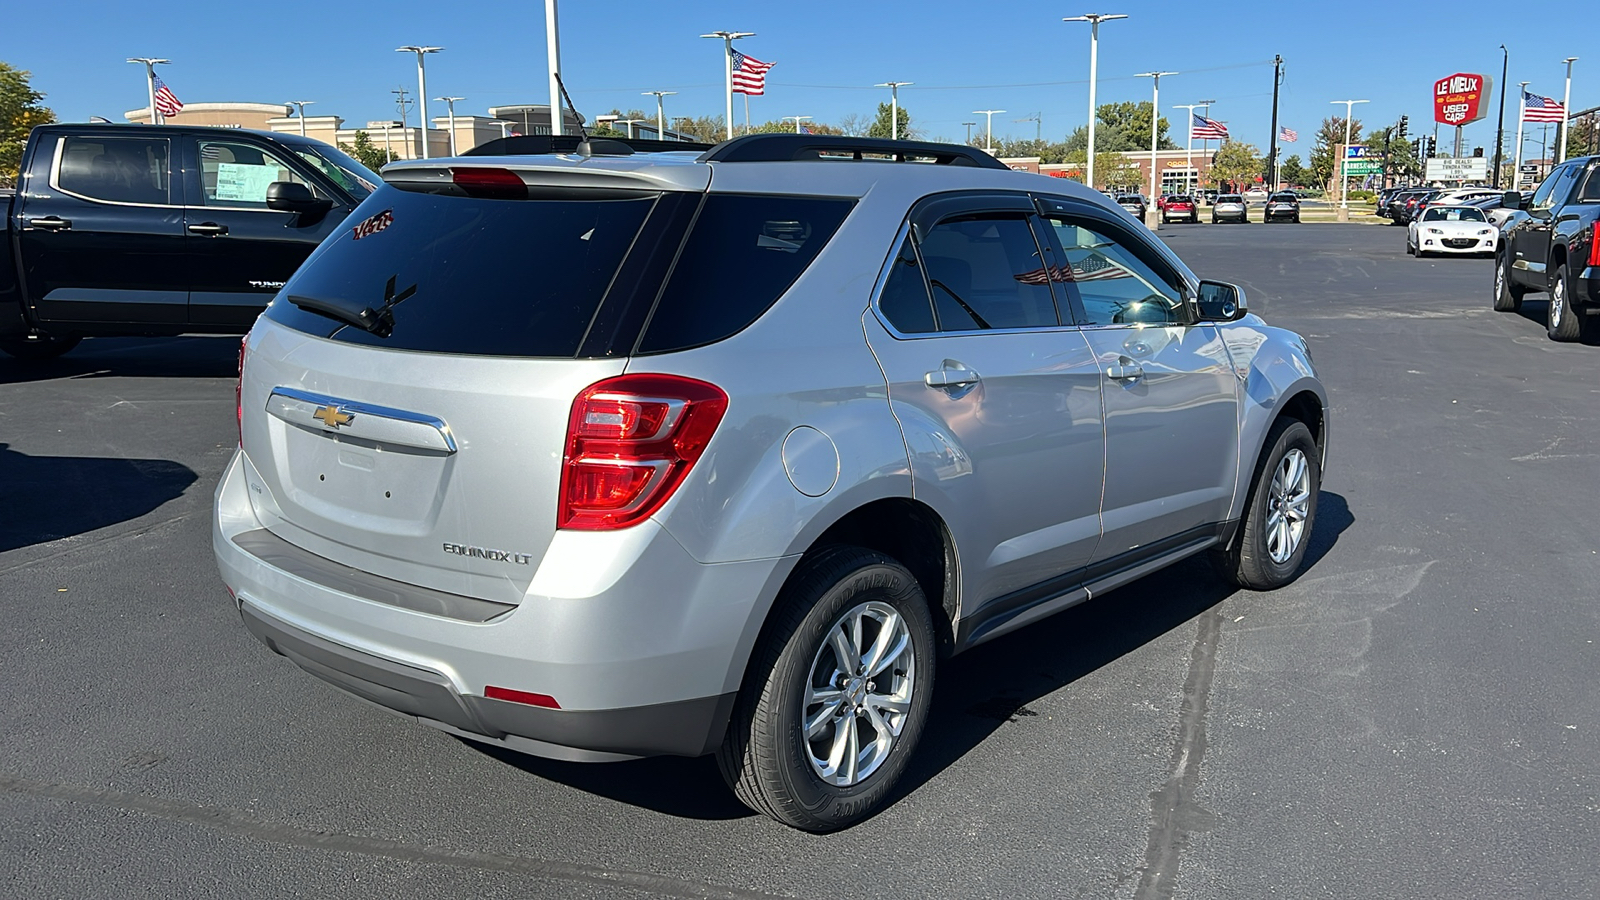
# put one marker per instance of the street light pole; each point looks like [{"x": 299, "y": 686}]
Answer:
[
  {"x": 451, "y": 106},
  {"x": 1094, "y": 20},
  {"x": 1155, "y": 137},
  {"x": 1344, "y": 156},
  {"x": 988, "y": 129},
  {"x": 1500, "y": 128},
  {"x": 1566, "y": 105},
  {"x": 150, "y": 63},
  {"x": 969, "y": 130},
  {"x": 728, "y": 37},
  {"x": 1188, "y": 153},
  {"x": 661, "y": 116},
  {"x": 552, "y": 44},
  {"x": 894, "y": 106},
  {"x": 422, "y": 91},
  {"x": 301, "y": 106},
  {"x": 797, "y": 121}
]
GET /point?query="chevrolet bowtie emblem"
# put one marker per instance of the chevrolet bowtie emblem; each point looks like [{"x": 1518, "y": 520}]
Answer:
[{"x": 332, "y": 416}]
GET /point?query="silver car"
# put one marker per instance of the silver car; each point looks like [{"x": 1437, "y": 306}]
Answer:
[
  {"x": 1230, "y": 208},
  {"x": 597, "y": 457}
]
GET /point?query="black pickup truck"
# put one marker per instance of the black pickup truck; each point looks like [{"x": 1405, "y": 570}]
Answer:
[
  {"x": 161, "y": 230},
  {"x": 1554, "y": 246}
]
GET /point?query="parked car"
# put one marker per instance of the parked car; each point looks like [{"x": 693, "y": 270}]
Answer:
[
  {"x": 1282, "y": 207},
  {"x": 1181, "y": 207},
  {"x": 1134, "y": 203},
  {"x": 1456, "y": 229},
  {"x": 698, "y": 489},
  {"x": 1231, "y": 208},
  {"x": 1553, "y": 245},
  {"x": 1209, "y": 196},
  {"x": 161, "y": 230},
  {"x": 1256, "y": 194}
]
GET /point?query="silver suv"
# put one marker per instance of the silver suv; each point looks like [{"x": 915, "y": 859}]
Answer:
[{"x": 603, "y": 456}]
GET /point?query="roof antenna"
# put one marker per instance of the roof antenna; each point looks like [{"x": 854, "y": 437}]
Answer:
[{"x": 570, "y": 105}]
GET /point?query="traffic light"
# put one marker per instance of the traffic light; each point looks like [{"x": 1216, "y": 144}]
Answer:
[
  {"x": 1433, "y": 145},
  {"x": 1416, "y": 147},
  {"x": 1403, "y": 121},
  {"x": 1477, "y": 152}
]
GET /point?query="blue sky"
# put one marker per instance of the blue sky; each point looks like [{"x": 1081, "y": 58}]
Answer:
[{"x": 963, "y": 56}]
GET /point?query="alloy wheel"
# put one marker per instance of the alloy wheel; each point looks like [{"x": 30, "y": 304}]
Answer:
[
  {"x": 1288, "y": 500},
  {"x": 1558, "y": 303},
  {"x": 858, "y": 695}
]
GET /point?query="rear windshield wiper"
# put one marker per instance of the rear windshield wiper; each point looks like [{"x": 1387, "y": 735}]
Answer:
[{"x": 367, "y": 318}]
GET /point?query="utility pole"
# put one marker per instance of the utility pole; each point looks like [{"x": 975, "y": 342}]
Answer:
[
  {"x": 1188, "y": 152},
  {"x": 1151, "y": 214},
  {"x": 422, "y": 92},
  {"x": 1566, "y": 106},
  {"x": 150, "y": 63},
  {"x": 661, "y": 117},
  {"x": 797, "y": 121},
  {"x": 451, "y": 105},
  {"x": 1272, "y": 154},
  {"x": 728, "y": 37},
  {"x": 989, "y": 129},
  {"x": 1038, "y": 128},
  {"x": 552, "y": 46},
  {"x": 1094, "y": 20},
  {"x": 1500, "y": 128},
  {"x": 403, "y": 106},
  {"x": 894, "y": 106},
  {"x": 301, "y": 106}
]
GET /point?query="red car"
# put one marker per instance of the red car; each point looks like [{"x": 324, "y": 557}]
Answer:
[{"x": 1182, "y": 207}]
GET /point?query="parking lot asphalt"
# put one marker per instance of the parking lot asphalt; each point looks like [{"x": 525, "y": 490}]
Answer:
[{"x": 1414, "y": 717}]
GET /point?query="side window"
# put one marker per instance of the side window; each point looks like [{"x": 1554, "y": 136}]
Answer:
[
  {"x": 1554, "y": 189},
  {"x": 986, "y": 272},
  {"x": 119, "y": 169},
  {"x": 236, "y": 174},
  {"x": 1591, "y": 188},
  {"x": 1113, "y": 284},
  {"x": 904, "y": 301}
]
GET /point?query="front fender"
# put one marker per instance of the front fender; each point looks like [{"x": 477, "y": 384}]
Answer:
[{"x": 1277, "y": 375}]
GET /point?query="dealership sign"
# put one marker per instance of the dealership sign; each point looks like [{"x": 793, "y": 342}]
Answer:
[
  {"x": 1468, "y": 168},
  {"x": 1461, "y": 99}
]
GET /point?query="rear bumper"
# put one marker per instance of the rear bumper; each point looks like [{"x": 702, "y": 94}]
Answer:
[{"x": 641, "y": 645}]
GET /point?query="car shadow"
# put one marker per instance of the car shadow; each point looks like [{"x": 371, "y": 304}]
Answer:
[
  {"x": 136, "y": 357},
  {"x": 1536, "y": 309},
  {"x": 978, "y": 693},
  {"x": 46, "y": 498}
]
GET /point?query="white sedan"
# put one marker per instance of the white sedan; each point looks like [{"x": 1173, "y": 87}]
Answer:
[{"x": 1451, "y": 229}]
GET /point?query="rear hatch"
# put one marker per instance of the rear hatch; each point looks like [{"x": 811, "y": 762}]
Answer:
[{"x": 405, "y": 399}]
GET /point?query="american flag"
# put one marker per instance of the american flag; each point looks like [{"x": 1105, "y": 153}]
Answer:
[
  {"x": 1288, "y": 135},
  {"x": 167, "y": 103},
  {"x": 1541, "y": 109},
  {"x": 1090, "y": 268},
  {"x": 749, "y": 74},
  {"x": 1209, "y": 129}
]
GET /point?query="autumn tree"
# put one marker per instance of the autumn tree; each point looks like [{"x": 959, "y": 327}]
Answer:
[
  {"x": 1235, "y": 163},
  {"x": 20, "y": 111}
]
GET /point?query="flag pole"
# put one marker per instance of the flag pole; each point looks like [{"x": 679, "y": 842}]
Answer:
[{"x": 1522, "y": 111}]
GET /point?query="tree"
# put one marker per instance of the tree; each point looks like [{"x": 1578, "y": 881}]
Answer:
[
  {"x": 1329, "y": 137},
  {"x": 1386, "y": 144},
  {"x": 1583, "y": 135},
  {"x": 1235, "y": 163},
  {"x": 880, "y": 127},
  {"x": 368, "y": 155},
  {"x": 20, "y": 110},
  {"x": 854, "y": 125},
  {"x": 1291, "y": 171}
]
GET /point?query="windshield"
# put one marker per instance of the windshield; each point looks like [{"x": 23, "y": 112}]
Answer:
[
  {"x": 1453, "y": 214},
  {"x": 359, "y": 180}
]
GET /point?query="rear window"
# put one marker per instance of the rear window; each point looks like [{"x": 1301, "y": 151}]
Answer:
[
  {"x": 465, "y": 275},
  {"x": 1285, "y": 198},
  {"x": 1229, "y": 198}
]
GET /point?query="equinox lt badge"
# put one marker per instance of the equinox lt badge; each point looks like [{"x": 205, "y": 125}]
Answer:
[{"x": 520, "y": 559}]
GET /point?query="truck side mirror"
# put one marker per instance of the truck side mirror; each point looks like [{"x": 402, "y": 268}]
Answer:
[
  {"x": 1511, "y": 200},
  {"x": 292, "y": 196},
  {"x": 1221, "y": 302}
]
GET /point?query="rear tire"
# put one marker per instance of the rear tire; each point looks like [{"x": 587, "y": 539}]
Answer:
[
  {"x": 809, "y": 669},
  {"x": 1507, "y": 294},
  {"x": 1563, "y": 322},
  {"x": 39, "y": 350},
  {"x": 1279, "y": 514}
]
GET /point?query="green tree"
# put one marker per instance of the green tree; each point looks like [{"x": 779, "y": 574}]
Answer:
[
  {"x": 1291, "y": 171},
  {"x": 368, "y": 155},
  {"x": 880, "y": 127},
  {"x": 1583, "y": 136},
  {"x": 1235, "y": 163},
  {"x": 1329, "y": 137},
  {"x": 1386, "y": 144},
  {"x": 20, "y": 110}
]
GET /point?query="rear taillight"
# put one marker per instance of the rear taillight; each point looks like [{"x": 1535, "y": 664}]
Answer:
[
  {"x": 238, "y": 388},
  {"x": 1594, "y": 245},
  {"x": 631, "y": 440}
]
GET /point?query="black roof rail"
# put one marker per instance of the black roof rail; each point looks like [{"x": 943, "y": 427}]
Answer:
[
  {"x": 777, "y": 147},
  {"x": 537, "y": 144}
]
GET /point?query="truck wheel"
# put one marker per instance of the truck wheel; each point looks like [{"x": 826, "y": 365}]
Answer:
[
  {"x": 1507, "y": 294},
  {"x": 37, "y": 350},
  {"x": 1564, "y": 323},
  {"x": 1279, "y": 515},
  {"x": 836, "y": 695}
]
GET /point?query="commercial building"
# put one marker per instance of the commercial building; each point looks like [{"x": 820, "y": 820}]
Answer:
[{"x": 1180, "y": 170}]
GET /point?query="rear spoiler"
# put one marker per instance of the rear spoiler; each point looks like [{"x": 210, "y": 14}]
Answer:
[{"x": 543, "y": 144}]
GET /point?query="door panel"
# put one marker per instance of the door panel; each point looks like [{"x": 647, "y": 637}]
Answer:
[{"x": 103, "y": 241}]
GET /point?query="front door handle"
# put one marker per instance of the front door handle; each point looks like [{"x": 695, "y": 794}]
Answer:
[
  {"x": 1125, "y": 370},
  {"x": 210, "y": 228},
  {"x": 951, "y": 374},
  {"x": 51, "y": 223}
]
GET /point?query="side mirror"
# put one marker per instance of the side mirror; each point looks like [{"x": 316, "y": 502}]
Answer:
[
  {"x": 1511, "y": 200},
  {"x": 1221, "y": 302},
  {"x": 291, "y": 196}
]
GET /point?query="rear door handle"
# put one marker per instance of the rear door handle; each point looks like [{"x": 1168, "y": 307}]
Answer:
[
  {"x": 51, "y": 223},
  {"x": 210, "y": 228},
  {"x": 951, "y": 374},
  {"x": 1125, "y": 370}
]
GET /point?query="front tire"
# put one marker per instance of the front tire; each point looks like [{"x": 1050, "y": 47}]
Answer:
[
  {"x": 1280, "y": 513},
  {"x": 1562, "y": 321},
  {"x": 1507, "y": 295},
  {"x": 836, "y": 694},
  {"x": 37, "y": 350}
]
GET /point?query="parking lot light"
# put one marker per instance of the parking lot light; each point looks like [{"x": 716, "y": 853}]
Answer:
[
  {"x": 1344, "y": 181},
  {"x": 422, "y": 91},
  {"x": 1094, "y": 20},
  {"x": 300, "y": 106}
]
